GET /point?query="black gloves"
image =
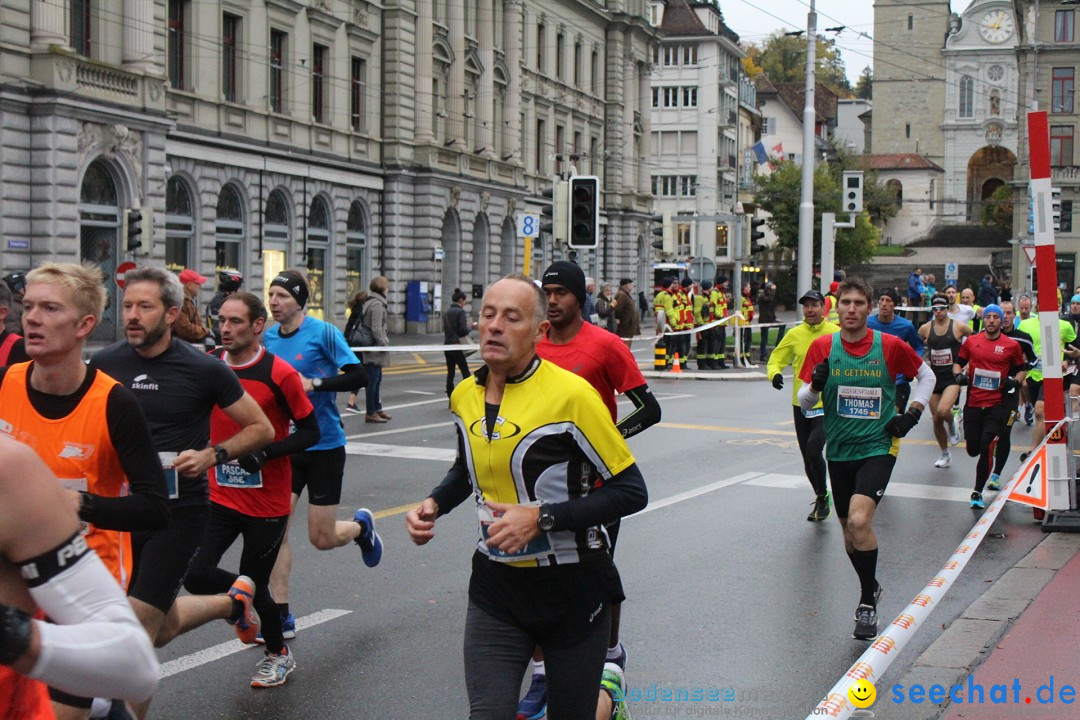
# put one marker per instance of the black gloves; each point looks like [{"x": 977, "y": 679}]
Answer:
[
  {"x": 778, "y": 381},
  {"x": 962, "y": 379},
  {"x": 14, "y": 634},
  {"x": 1009, "y": 385},
  {"x": 251, "y": 463},
  {"x": 900, "y": 425},
  {"x": 819, "y": 376}
]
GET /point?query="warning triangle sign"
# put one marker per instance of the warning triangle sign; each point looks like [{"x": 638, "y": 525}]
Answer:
[
  {"x": 1030, "y": 489},
  {"x": 1029, "y": 251}
]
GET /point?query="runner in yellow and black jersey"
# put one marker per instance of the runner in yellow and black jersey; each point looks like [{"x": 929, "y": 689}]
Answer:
[{"x": 532, "y": 440}]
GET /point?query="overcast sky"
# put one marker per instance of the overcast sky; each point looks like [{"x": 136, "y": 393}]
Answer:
[{"x": 754, "y": 20}]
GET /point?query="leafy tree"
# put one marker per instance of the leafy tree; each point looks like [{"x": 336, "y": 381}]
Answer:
[
  {"x": 779, "y": 194},
  {"x": 864, "y": 86},
  {"x": 998, "y": 209},
  {"x": 783, "y": 58}
]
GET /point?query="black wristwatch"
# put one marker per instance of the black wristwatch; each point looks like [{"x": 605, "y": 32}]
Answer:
[
  {"x": 546, "y": 521},
  {"x": 221, "y": 455}
]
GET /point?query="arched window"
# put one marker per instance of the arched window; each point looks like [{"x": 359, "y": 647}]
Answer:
[
  {"x": 355, "y": 247},
  {"x": 318, "y": 252},
  {"x": 967, "y": 96},
  {"x": 179, "y": 224},
  {"x": 896, "y": 189},
  {"x": 276, "y": 236},
  {"x": 229, "y": 230},
  {"x": 99, "y": 237}
]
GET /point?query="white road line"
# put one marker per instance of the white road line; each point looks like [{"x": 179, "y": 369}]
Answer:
[
  {"x": 411, "y": 452},
  {"x": 696, "y": 492},
  {"x": 419, "y": 392},
  {"x": 395, "y": 431},
  {"x": 210, "y": 654},
  {"x": 895, "y": 489}
]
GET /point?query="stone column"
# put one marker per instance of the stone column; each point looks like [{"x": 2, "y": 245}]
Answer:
[
  {"x": 484, "y": 105},
  {"x": 47, "y": 26},
  {"x": 629, "y": 90},
  {"x": 644, "y": 102},
  {"x": 425, "y": 42},
  {"x": 513, "y": 131},
  {"x": 138, "y": 53},
  {"x": 455, "y": 94}
]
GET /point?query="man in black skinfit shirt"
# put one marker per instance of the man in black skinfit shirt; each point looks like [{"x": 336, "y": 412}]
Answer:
[{"x": 177, "y": 387}]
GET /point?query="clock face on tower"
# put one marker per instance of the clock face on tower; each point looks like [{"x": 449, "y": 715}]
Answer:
[{"x": 996, "y": 26}]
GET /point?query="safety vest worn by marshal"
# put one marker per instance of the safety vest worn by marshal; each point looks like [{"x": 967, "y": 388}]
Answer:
[
  {"x": 703, "y": 309},
  {"x": 664, "y": 309},
  {"x": 831, "y": 312},
  {"x": 79, "y": 451},
  {"x": 684, "y": 310},
  {"x": 719, "y": 303}
]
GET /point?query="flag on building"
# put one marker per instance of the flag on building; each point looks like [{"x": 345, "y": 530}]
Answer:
[
  {"x": 778, "y": 151},
  {"x": 760, "y": 154}
]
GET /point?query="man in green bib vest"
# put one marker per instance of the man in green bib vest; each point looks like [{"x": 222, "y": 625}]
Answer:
[{"x": 853, "y": 373}]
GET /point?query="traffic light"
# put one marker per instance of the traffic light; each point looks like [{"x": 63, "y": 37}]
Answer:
[
  {"x": 852, "y": 184},
  {"x": 666, "y": 232},
  {"x": 755, "y": 235},
  {"x": 584, "y": 229},
  {"x": 134, "y": 229},
  {"x": 554, "y": 220}
]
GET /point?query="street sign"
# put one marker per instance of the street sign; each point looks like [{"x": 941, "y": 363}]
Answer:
[
  {"x": 1029, "y": 252},
  {"x": 952, "y": 273},
  {"x": 702, "y": 268},
  {"x": 121, "y": 271},
  {"x": 528, "y": 225}
]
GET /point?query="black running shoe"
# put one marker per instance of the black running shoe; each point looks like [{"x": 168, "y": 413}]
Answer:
[
  {"x": 865, "y": 623},
  {"x": 821, "y": 508}
]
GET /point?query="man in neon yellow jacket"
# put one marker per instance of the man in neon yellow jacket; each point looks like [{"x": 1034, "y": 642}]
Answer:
[{"x": 809, "y": 424}]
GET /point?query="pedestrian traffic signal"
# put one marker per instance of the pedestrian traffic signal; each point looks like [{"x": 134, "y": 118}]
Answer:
[
  {"x": 755, "y": 235},
  {"x": 134, "y": 229},
  {"x": 584, "y": 211},
  {"x": 554, "y": 221},
  {"x": 665, "y": 230}
]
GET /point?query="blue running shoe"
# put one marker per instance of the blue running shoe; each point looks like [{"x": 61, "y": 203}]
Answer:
[
  {"x": 369, "y": 541},
  {"x": 994, "y": 483},
  {"x": 288, "y": 628},
  {"x": 534, "y": 705},
  {"x": 977, "y": 501}
]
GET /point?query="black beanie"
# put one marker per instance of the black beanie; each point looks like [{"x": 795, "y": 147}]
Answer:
[
  {"x": 568, "y": 275},
  {"x": 294, "y": 283}
]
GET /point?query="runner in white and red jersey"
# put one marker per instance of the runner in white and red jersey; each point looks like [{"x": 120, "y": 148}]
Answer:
[
  {"x": 251, "y": 497},
  {"x": 995, "y": 368}
]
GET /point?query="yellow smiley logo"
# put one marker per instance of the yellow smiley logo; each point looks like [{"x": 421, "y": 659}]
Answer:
[{"x": 862, "y": 693}]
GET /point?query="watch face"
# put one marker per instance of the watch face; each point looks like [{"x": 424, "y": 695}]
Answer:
[{"x": 996, "y": 26}]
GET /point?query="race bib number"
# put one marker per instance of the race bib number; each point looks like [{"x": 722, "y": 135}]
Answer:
[
  {"x": 816, "y": 412},
  {"x": 233, "y": 476},
  {"x": 539, "y": 547},
  {"x": 941, "y": 358},
  {"x": 172, "y": 486},
  {"x": 858, "y": 403},
  {"x": 986, "y": 379}
]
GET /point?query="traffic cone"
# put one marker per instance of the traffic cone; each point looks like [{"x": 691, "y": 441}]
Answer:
[{"x": 676, "y": 368}]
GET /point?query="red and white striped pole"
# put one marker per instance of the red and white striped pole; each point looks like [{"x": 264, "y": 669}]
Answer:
[{"x": 1046, "y": 266}]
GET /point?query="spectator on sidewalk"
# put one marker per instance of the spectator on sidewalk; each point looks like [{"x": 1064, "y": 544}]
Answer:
[
  {"x": 374, "y": 316},
  {"x": 188, "y": 326},
  {"x": 627, "y": 317},
  {"x": 766, "y": 311}
]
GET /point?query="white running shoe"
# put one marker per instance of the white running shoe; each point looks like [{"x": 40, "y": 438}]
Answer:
[{"x": 944, "y": 461}]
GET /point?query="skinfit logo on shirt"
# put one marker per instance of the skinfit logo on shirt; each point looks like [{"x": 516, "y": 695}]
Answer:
[{"x": 143, "y": 382}]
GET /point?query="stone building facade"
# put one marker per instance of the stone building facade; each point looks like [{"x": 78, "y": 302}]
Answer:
[{"x": 349, "y": 138}]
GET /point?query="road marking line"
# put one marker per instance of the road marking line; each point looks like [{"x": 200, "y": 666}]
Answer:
[
  {"x": 210, "y": 654},
  {"x": 419, "y": 360},
  {"x": 419, "y": 392},
  {"x": 410, "y": 452},
  {"x": 895, "y": 489},
  {"x": 696, "y": 492},
  {"x": 395, "y": 431}
]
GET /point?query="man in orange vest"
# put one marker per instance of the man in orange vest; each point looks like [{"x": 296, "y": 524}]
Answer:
[{"x": 88, "y": 428}]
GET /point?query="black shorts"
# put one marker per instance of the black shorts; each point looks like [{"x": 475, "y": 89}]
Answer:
[
  {"x": 868, "y": 477},
  {"x": 321, "y": 472},
  {"x": 994, "y": 420},
  {"x": 1034, "y": 390},
  {"x": 942, "y": 381},
  {"x": 162, "y": 557}
]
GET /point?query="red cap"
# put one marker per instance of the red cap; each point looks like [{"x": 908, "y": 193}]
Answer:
[
  {"x": 832, "y": 286},
  {"x": 187, "y": 275}
]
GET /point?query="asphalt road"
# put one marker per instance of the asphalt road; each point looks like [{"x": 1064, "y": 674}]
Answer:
[{"x": 729, "y": 588}]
